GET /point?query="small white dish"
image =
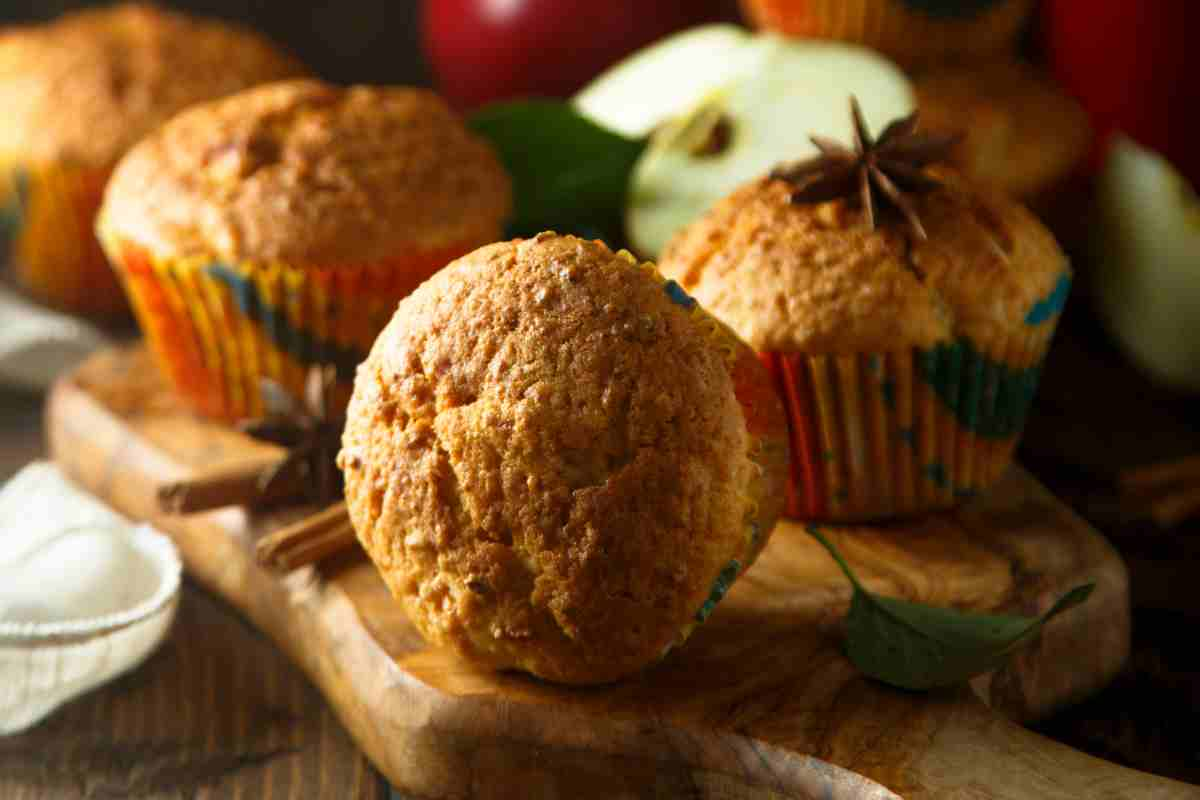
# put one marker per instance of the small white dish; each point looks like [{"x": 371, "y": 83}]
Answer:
[{"x": 81, "y": 602}]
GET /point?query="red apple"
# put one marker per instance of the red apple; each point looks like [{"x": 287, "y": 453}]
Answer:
[
  {"x": 486, "y": 50},
  {"x": 1129, "y": 64}
]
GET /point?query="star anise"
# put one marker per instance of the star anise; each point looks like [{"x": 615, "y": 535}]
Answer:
[
  {"x": 310, "y": 432},
  {"x": 879, "y": 171}
]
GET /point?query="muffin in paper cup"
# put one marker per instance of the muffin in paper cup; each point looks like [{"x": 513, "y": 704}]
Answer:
[
  {"x": 590, "y": 460},
  {"x": 77, "y": 93},
  {"x": 1022, "y": 133},
  {"x": 911, "y": 32},
  {"x": 47, "y": 215},
  {"x": 277, "y": 229},
  {"x": 907, "y": 366}
]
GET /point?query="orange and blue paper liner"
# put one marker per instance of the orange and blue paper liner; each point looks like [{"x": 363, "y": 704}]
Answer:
[
  {"x": 760, "y": 410},
  {"x": 767, "y": 430},
  {"x": 217, "y": 328},
  {"x": 878, "y": 435},
  {"x": 47, "y": 232}
]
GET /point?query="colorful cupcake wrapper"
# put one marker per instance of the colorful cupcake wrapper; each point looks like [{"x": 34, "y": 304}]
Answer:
[
  {"x": 750, "y": 396},
  {"x": 753, "y": 395},
  {"x": 913, "y": 31},
  {"x": 47, "y": 231},
  {"x": 218, "y": 328},
  {"x": 884, "y": 434}
]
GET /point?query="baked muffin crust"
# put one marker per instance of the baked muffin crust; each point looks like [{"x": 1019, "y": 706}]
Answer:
[
  {"x": 1022, "y": 133},
  {"x": 88, "y": 86},
  {"x": 815, "y": 279},
  {"x": 307, "y": 173},
  {"x": 546, "y": 457}
]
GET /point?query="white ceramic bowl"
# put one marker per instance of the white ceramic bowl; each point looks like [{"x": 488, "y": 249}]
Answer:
[
  {"x": 43, "y": 665},
  {"x": 84, "y": 595}
]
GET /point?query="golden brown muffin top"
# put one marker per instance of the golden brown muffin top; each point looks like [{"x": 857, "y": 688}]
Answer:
[
  {"x": 312, "y": 174},
  {"x": 1023, "y": 134},
  {"x": 814, "y": 278},
  {"x": 545, "y": 458},
  {"x": 88, "y": 86}
]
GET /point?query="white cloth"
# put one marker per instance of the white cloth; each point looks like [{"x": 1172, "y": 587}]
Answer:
[{"x": 84, "y": 594}]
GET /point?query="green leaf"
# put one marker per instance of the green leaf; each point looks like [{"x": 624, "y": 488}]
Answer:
[
  {"x": 569, "y": 174},
  {"x": 915, "y": 646}
]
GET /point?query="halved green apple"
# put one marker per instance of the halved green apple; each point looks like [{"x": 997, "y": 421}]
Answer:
[
  {"x": 666, "y": 79},
  {"x": 774, "y": 93},
  {"x": 1146, "y": 249}
]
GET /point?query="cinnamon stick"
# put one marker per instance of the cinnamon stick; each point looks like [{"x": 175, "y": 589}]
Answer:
[
  {"x": 241, "y": 484},
  {"x": 1175, "y": 507},
  {"x": 1152, "y": 476},
  {"x": 307, "y": 541},
  {"x": 1170, "y": 491}
]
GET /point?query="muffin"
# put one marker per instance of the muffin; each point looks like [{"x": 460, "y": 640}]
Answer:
[
  {"x": 76, "y": 94},
  {"x": 907, "y": 365},
  {"x": 1023, "y": 134},
  {"x": 913, "y": 33},
  {"x": 558, "y": 461},
  {"x": 275, "y": 230}
]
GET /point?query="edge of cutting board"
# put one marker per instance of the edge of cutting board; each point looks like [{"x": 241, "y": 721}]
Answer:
[{"x": 439, "y": 729}]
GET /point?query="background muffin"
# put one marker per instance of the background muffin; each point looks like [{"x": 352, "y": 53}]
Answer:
[
  {"x": 559, "y": 462},
  {"x": 911, "y": 32},
  {"x": 76, "y": 94},
  {"x": 277, "y": 229},
  {"x": 907, "y": 365},
  {"x": 1022, "y": 134}
]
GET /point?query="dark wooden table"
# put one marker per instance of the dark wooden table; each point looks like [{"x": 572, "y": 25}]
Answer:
[
  {"x": 21, "y": 438},
  {"x": 1094, "y": 417},
  {"x": 218, "y": 712}
]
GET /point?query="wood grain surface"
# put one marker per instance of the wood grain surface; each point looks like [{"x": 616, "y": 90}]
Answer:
[
  {"x": 216, "y": 713},
  {"x": 760, "y": 703},
  {"x": 1095, "y": 417}
]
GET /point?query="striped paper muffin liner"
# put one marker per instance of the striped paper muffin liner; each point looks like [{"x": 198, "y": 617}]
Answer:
[
  {"x": 911, "y": 31},
  {"x": 217, "y": 328},
  {"x": 47, "y": 233},
  {"x": 897, "y": 433},
  {"x": 766, "y": 448}
]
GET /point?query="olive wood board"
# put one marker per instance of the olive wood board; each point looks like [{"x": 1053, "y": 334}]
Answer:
[{"x": 759, "y": 703}]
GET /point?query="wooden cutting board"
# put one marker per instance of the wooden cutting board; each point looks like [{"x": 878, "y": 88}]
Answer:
[{"x": 759, "y": 703}]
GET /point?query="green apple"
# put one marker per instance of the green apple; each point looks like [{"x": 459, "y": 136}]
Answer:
[
  {"x": 725, "y": 107},
  {"x": 1146, "y": 249},
  {"x": 666, "y": 79}
]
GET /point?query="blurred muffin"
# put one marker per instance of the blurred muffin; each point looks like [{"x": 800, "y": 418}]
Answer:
[
  {"x": 277, "y": 229},
  {"x": 907, "y": 366},
  {"x": 76, "y": 94},
  {"x": 559, "y": 462},
  {"x": 1022, "y": 134},
  {"x": 913, "y": 33}
]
